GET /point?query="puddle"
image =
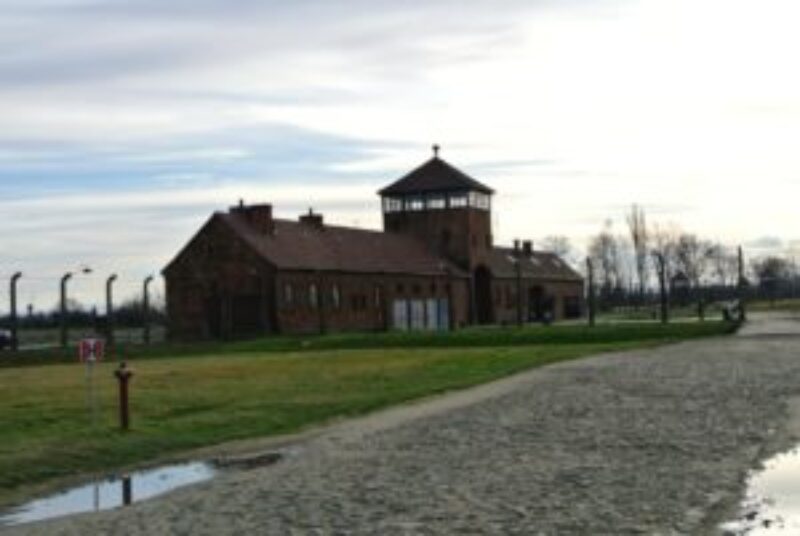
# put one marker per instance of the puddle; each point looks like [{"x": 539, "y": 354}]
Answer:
[
  {"x": 110, "y": 493},
  {"x": 772, "y": 502}
]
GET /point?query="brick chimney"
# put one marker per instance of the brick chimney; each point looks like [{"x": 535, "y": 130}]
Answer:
[
  {"x": 516, "y": 248},
  {"x": 311, "y": 219},
  {"x": 527, "y": 248},
  {"x": 258, "y": 216}
]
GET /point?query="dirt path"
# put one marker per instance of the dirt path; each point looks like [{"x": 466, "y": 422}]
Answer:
[{"x": 645, "y": 442}]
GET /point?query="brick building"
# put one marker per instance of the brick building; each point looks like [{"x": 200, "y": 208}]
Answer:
[{"x": 434, "y": 267}]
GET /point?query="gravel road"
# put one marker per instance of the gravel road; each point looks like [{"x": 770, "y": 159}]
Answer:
[{"x": 645, "y": 442}]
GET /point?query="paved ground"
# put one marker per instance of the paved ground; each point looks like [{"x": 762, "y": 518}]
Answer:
[{"x": 645, "y": 442}]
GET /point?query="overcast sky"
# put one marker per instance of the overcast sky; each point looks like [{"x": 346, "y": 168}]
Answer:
[{"x": 125, "y": 123}]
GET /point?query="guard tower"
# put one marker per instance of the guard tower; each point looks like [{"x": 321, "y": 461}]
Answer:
[{"x": 443, "y": 207}]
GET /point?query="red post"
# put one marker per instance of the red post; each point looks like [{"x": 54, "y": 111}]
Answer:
[{"x": 123, "y": 375}]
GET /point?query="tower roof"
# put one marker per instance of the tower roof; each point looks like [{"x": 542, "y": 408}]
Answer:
[{"x": 435, "y": 175}]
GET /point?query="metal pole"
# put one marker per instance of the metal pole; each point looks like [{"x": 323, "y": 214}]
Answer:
[
  {"x": 742, "y": 287},
  {"x": 90, "y": 390},
  {"x": 13, "y": 309},
  {"x": 590, "y": 300},
  {"x": 518, "y": 265},
  {"x": 123, "y": 375},
  {"x": 63, "y": 310},
  {"x": 662, "y": 283},
  {"x": 110, "y": 311},
  {"x": 146, "y": 308}
]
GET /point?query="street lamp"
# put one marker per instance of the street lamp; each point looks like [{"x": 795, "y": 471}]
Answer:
[
  {"x": 110, "y": 310},
  {"x": 13, "y": 309},
  {"x": 146, "y": 308},
  {"x": 63, "y": 312}
]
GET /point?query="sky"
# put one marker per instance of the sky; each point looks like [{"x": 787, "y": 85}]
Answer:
[{"x": 125, "y": 124}]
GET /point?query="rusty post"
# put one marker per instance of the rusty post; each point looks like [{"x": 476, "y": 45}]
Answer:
[{"x": 123, "y": 375}]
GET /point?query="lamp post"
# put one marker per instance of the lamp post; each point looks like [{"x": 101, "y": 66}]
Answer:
[
  {"x": 146, "y": 307},
  {"x": 110, "y": 310},
  {"x": 63, "y": 306},
  {"x": 63, "y": 310},
  {"x": 13, "y": 310}
]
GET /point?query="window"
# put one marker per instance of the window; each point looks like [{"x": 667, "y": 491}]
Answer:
[
  {"x": 392, "y": 204},
  {"x": 336, "y": 298},
  {"x": 436, "y": 202},
  {"x": 312, "y": 296},
  {"x": 479, "y": 200},
  {"x": 288, "y": 294},
  {"x": 415, "y": 203},
  {"x": 458, "y": 200}
]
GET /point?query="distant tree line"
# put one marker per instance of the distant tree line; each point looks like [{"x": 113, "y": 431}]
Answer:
[
  {"x": 627, "y": 267},
  {"x": 129, "y": 313}
]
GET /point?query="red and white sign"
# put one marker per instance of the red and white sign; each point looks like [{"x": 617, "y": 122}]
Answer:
[{"x": 90, "y": 350}]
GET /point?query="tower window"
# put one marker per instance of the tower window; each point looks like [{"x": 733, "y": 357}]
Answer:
[
  {"x": 479, "y": 200},
  {"x": 458, "y": 200},
  {"x": 415, "y": 203},
  {"x": 392, "y": 204},
  {"x": 436, "y": 202}
]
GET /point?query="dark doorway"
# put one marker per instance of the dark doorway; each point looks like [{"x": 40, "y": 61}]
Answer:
[
  {"x": 246, "y": 315},
  {"x": 536, "y": 304},
  {"x": 483, "y": 295}
]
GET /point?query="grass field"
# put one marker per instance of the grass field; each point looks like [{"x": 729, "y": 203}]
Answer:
[{"x": 258, "y": 388}]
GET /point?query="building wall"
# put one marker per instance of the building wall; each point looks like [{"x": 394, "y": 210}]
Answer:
[
  {"x": 557, "y": 293},
  {"x": 463, "y": 235},
  {"x": 218, "y": 288},
  {"x": 313, "y": 302}
]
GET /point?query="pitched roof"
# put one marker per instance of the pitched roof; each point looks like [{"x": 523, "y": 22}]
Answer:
[
  {"x": 541, "y": 265},
  {"x": 435, "y": 175},
  {"x": 301, "y": 246}
]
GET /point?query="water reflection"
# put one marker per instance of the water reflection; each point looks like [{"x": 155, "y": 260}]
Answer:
[
  {"x": 772, "y": 502},
  {"x": 110, "y": 493}
]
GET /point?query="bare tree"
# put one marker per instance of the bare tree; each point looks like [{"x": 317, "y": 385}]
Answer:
[
  {"x": 637, "y": 225},
  {"x": 664, "y": 240},
  {"x": 604, "y": 251},
  {"x": 723, "y": 263},
  {"x": 692, "y": 257}
]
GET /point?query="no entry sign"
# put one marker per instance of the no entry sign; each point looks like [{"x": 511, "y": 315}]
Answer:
[{"x": 90, "y": 350}]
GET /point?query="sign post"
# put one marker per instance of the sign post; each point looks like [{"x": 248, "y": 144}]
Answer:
[{"x": 91, "y": 351}]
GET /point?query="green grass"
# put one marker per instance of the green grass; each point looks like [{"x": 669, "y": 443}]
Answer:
[
  {"x": 464, "y": 338},
  {"x": 256, "y": 389}
]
